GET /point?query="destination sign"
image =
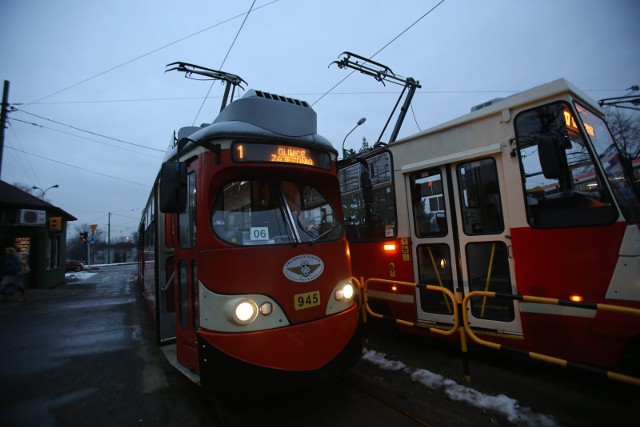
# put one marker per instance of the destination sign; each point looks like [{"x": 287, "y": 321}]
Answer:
[
  {"x": 278, "y": 153},
  {"x": 570, "y": 122}
]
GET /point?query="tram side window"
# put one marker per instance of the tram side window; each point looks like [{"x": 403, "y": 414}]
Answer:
[
  {"x": 427, "y": 200},
  {"x": 480, "y": 193},
  {"x": 364, "y": 221},
  {"x": 187, "y": 219},
  {"x": 562, "y": 185}
]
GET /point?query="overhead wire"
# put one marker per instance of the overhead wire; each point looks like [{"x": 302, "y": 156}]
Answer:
[
  {"x": 83, "y": 130},
  {"x": 28, "y": 170},
  {"x": 82, "y": 137},
  {"x": 145, "y": 54},
  {"x": 224, "y": 60},
  {"x": 381, "y": 49},
  {"x": 77, "y": 167},
  {"x": 414, "y": 118},
  {"x": 302, "y": 94}
]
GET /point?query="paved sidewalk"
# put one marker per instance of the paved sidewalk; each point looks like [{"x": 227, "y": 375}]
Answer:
[{"x": 82, "y": 354}]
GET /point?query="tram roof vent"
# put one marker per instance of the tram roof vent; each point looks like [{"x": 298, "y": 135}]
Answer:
[
  {"x": 485, "y": 104},
  {"x": 280, "y": 98}
]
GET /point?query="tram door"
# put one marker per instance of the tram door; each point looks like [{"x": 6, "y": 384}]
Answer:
[
  {"x": 460, "y": 239},
  {"x": 186, "y": 281}
]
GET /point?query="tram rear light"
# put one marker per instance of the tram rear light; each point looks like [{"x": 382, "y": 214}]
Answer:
[
  {"x": 576, "y": 298},
  {"x": 389, "y": 247},
  {"x": 394, "y": 288}
]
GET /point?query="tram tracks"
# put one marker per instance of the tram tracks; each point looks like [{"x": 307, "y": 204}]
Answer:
[{"x": 399, "y": 409}]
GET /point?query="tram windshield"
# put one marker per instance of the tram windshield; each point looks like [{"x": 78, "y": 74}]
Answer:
[
  {"x": 609, "y": 155},
  {"x": 268, "y": 212},
  {"x": 563, "y": 186}
]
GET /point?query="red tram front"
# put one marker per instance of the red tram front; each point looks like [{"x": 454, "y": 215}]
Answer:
[{"x": 246, "y": 266}]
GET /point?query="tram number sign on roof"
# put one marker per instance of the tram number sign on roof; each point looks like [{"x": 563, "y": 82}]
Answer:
[{"x": 279, "y": 153}]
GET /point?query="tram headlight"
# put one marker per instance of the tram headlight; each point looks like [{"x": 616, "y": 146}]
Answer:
[
  {"x": 244, "y": 312},
  {"x": 345, "y": 292}
]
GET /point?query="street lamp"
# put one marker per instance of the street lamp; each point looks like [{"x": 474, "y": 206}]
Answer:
[
  {"x": 44, "y": 191},
  {"x": 361, "y": 121}
]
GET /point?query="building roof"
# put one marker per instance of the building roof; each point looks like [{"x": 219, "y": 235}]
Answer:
[{"x": 13, "y": 197}]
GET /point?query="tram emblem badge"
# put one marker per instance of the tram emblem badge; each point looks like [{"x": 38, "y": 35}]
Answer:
[{"x": 303, "y": 268}]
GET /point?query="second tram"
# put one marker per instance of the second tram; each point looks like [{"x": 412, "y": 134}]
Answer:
[
  {"x": 243, "y": 256},
  {"x": 525, "y": 196}
]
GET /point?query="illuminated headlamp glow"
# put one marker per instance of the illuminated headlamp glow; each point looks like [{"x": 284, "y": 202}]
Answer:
[
  {"x": 245, "y": 312},
  {"x": 344, "y": 293}
]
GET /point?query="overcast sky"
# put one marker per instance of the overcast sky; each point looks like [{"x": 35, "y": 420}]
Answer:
[{"x": 98, "y": 66}]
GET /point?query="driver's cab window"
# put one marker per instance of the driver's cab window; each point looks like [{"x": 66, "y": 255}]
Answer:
[
  {"x": 266, "y": 212},
  {"x": 563, "y": 187}
]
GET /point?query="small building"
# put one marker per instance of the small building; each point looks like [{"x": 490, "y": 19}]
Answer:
[{"x": 38, "y": 230}]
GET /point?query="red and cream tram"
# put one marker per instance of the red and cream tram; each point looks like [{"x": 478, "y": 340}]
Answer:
[
  {"x": 496, "y": 201},
  {"x": 243, "y": 254}
]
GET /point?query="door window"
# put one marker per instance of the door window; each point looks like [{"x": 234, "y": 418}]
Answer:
[
  {"x": 427, "y": 200},
  {"x": 183, "y": 294},
  {"x": 488, "y": 269},
  {"x": 187, "y": 219},
  {"x": 480, "y": 197},
  {"x": 434, "y": 268}
]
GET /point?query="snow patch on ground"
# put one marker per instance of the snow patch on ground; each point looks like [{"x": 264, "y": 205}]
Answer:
[
  {"x": 78, "y": 276},
  {"x": 500, "y": 404}
]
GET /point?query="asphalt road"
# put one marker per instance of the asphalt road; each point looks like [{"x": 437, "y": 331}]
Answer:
[{"x": 84, "y": 354}]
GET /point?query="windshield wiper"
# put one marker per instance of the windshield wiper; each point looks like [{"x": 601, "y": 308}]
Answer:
[{"x": 313, "y": 240}]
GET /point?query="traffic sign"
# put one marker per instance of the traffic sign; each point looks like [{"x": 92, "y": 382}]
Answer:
[
  {"x": 93, "y": 227},
  {"x": 92, "y": 239}
]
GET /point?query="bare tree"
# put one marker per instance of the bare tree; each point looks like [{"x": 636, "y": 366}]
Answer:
[{"x": 626, "y": 131}]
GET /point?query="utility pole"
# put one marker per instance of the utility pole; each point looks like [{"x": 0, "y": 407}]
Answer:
[
  {"x": 3, "y": 119},
  {"x": 109, "y": 240}
]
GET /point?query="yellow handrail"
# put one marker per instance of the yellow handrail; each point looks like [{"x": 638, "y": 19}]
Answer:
[
  {"x": 445, "y": 291},
  {"x": 539, "y": 356}
]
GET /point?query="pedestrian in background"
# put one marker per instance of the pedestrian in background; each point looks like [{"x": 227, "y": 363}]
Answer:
[{"x": 13, "y": 272}]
